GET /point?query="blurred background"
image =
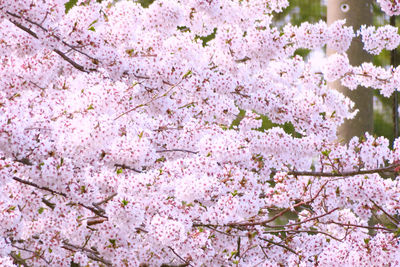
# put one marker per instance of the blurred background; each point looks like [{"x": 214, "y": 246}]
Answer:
[{"x": 315, "y": 10}]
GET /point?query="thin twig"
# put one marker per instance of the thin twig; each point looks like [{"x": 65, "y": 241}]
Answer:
[
  {"x": 176, "y": 254},
  {"x": 301, "y": 222},
  {"x": 65, "y": 57},
  {"x": 46, "y": 30},
  {"x": 33, "y": 252},
  {"x": 94, "y": 210},
  {"x": 361, "y": 226},
  {"x": 302, "y": 231},
  {"x": 18, "y": 259},
  {"x": 279, "y": 245},
  {"x": 105, "y": 200},
  {"x": 39, "y": 187},
  {"x": 154, "y": 98},
  {"x": 396, "y": 222},
  {"x": 91, "y": 254},
  {"x": 177, "y": 150},
  {"x": 123, "y": 166}
]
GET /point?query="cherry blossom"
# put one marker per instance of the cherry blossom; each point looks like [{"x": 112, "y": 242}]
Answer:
[{"x": 127, "y": 139}]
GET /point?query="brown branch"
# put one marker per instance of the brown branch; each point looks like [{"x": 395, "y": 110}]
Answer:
[
  {"x": 25, "y": 29},
  {"x": 105, "y": 200},
  {"x": 94, "y": 210},
  {"x": 177, "y": 150},
  {"x": 123, "y": 166},
  {"x": 394, "y": 220},
  {"x": 154, "y": 97},
  {"x": 63, "y": 55},
  {"x": 70, "y": 61},
  {"x": 301, "y": 222},
  {"x": 95, "y": 220},
  {"x": 91, "y": 254},
  {"x": 33, "y": 252},
  {"x": 97, "y": 205},
  {"x": 277, "y": 244},
  {"x": 361, "y": 226},
  {"x": 186, "y": 263},
  {"x": 390, "y": 168},
  {"x": 39, "y": 187},
  {"x": 46, "y": 30},
  {"x": 302, "y": 231},
  {"x": 18, "y": 259},
  {"x": 264, "y": 223}
]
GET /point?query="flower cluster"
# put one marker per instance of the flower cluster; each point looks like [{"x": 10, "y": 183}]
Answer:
[
  {"x": 375, "y": 40},
  {"x": 127, "y": 138},
  {"x": 391, "y": 7}
]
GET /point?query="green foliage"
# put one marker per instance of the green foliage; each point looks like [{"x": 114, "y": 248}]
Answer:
[
  {"x": 207, "y": 38},
  {"x": 300, "y": 11},
  {"x": 383, "y": 126},
  {"x": 40, "y": 210},
  {"x": 145, "y": 3},
  {"x": 267, "y": 124},
  {"x": 287, "y": 127},
  {"x": 70, "y": 4}
]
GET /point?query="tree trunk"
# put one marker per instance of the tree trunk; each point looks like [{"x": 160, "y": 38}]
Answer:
[{"x": 356, "y": 13}]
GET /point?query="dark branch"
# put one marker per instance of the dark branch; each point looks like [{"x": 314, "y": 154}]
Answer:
[
  {"x": 46, "y": 30},
  {"x": 123, "y": 166},
  {"x": 18, "y": 259},
  {"x": 390, "y": 168},
  {"x": 39, "y": 187},
  {"x": 279, "y": 245},
  {"x": 186, "y": 263},
  {"x": 177, "y": 150},
  {"x": 64, "y": 56},
  {"x": 96, "y": 211},
  {"x": 91, "y": 254}
]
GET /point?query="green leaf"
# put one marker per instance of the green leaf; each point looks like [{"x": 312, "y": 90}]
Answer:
[
  {"x": 145, "y": 3},
  {"x": 61, "y": 163},
  {"x": 120, "y": 170},
  {"x": 70, "y": 4},
  {"x": 326, "y": 153},
  {"x": 40, "y": 210},
  {"x": 12, "y": 208},
  {"x": 113, "y": 242},
  {"x": 92, "y": 29},
  {"x": 91, "y": 24},
  {"x": 162, "y": 159},
  {"x": 130, "y": 52},
  {"x": 207, "y": 38},
  {"x": 124, "y": 202},
  {"x": 187, "y": 74},
  {"x": 83, "y": 189},
  {"x": 140, "y": 135}
]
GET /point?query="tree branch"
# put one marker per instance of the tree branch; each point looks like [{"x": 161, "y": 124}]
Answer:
[
  {"x": 123, "y": 166},
  {"x": 96, "y": 211},
  {"x": 39, "y": 187},
  {"x": 63, "y": 55},
  {"x": 390, "y": 168},
  {"x": 186, "y": 263},
  {"x": 177, "y": 150},
  {"x": 46, "y": 30},
  {"x": 91, "y": 254},
  {"x": 279, "y": 245}
]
